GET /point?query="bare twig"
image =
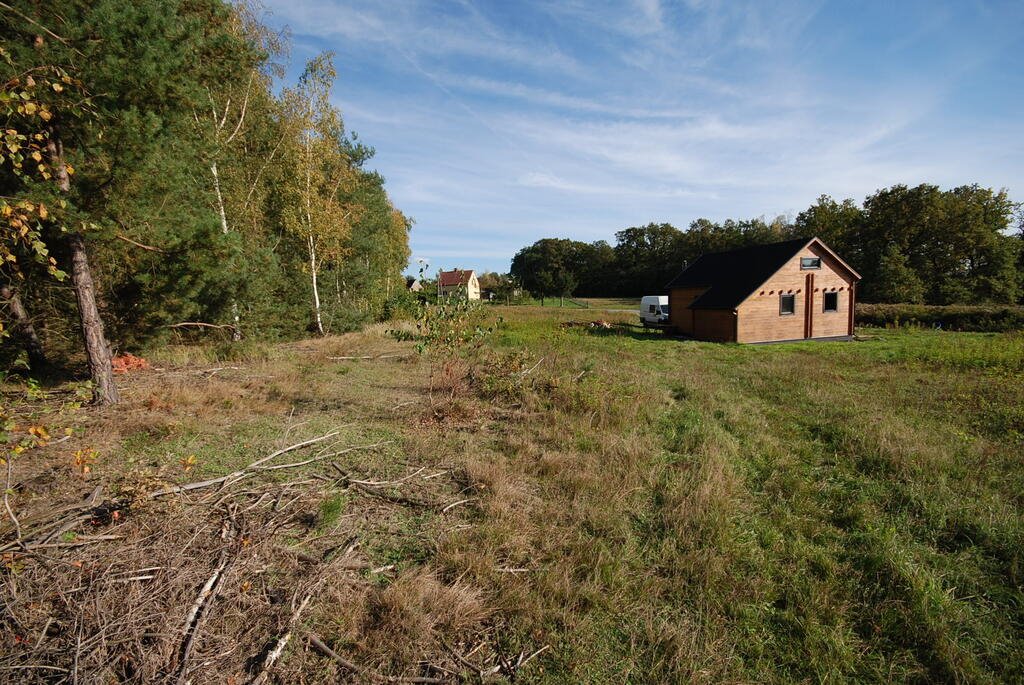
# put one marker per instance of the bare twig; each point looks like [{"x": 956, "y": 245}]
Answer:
[
  {"x": 140, "y": 245},
  {"x": 321, "y": 647},
  {"x": 201, "y": 324},
  {"x": 7, "y": 502},
  {"x": 216, "y": 370},
  {"x": 282, "y": 642},
  {"x": 320, "y": 457},
  {"x": 455, "y": 504},
  {"x": 197, "y": 613},
  {"x": 396, "y": 499},
  {"x": 378, "y": 483},
  {"x": 530, "y": 370},
  {"x": 241, "y": 473},
  {"x": 540, "y": 651},
  {"x": 204, "y": 593},
  {"x": 402, "y": 404}
]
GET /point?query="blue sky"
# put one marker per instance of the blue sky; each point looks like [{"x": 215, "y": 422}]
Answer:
[{"x": 498, "y": 123}]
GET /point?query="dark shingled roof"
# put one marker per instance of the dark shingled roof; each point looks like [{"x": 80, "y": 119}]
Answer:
[{"x": 731, "y": 276}]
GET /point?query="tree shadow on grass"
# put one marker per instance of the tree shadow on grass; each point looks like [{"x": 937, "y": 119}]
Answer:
[{"x": 634, "y": 331}]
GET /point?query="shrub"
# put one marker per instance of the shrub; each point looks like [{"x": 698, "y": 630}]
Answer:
[{"x": 980, "y": 318}]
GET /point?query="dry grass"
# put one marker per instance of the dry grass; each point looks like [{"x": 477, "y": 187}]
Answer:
[{"x": 654, "y": 510}]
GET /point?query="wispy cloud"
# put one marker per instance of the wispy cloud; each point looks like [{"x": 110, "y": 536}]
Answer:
[{"x": 496, "y": 124}]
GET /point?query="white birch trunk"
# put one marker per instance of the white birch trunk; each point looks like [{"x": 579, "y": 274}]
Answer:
[
  {"x": 316, "y": 291},
  {"x": 236, "y": 333},
  {"x": 309, "y": 226}
]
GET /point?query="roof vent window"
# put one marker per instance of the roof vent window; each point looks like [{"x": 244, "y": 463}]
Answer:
[{"x": 810, "y": 263}]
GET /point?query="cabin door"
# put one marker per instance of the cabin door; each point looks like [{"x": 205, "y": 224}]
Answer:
[{"x": 809, "y": 306}]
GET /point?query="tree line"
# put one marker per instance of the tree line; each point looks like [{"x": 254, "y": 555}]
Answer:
[
  {"x": 920, "y": 245},
  {"x": 155, "y": 182}
]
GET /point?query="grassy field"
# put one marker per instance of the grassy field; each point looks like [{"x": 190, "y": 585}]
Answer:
[
  {"x": 652, "y": 510},
  {"x": 630, "y": 303}
]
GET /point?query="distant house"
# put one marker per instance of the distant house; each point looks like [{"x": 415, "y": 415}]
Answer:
[
  {"x": 458, "y": 282},
  {"x": 794, "y": 290},
  {"x": 413, "y": 284}
]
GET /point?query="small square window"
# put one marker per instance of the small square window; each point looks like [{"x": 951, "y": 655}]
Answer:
[
  {"x": 831, "y": 302},
  {"x": 810, "y": 263},
  {"x": 650, "y": 309},
  {"x": 787, "y": 304}
]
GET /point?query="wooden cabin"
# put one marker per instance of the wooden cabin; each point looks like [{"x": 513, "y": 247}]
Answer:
[{"x": 794, "y": 290}]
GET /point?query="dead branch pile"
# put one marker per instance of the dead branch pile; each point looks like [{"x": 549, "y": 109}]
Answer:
[
  {"x": 234, "y": 580},
  {"x": 600, "y": 323}
]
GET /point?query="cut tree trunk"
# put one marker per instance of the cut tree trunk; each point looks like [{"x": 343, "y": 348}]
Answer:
[
  {"x": 23, "y": 328},
  {"x": 97, "y": 351}
]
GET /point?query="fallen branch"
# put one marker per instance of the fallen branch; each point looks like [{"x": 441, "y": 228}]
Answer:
[
  {"x": 522, "y": 662},
  {"x": 201, "y": 324},
  {"x": 321, "y": 457},
  {"x": 455, "y": 504},
  {"x": 52, "y": 519},
  {"x": 203, "y": 594},
  {"x": 137, "y": 244},
  {"x": 378, "y": 483},
  {"x": 322, "y": 647},
  {"x": 370, "y": 356},
  {"x": 370, "y": 490},
  {"x": 526, "y": 373},
  {"x": 402, "y": 404},
  {"x": 219, "y": 368},
  {"x": 241, "y": 473},
  {"x": 282, "y": 642},
  {"x": 197, "y": 613},
  {"x": 7, "y": 503}
]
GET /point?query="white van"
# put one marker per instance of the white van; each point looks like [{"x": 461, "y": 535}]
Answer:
[{"x": 654, "y": 310}]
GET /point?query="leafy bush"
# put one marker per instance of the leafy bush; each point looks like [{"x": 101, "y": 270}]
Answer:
[
  {"x": 403, "y": 305},
  {"x": 450, "y": 325},
  {"x": 981, "y": 318}
]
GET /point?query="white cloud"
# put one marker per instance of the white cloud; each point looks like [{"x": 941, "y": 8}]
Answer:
[
  {"x": 496, "y": 125},
  {"x": 412, "y": 29}
]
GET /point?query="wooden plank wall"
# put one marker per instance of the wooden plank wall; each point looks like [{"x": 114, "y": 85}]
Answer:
[
  {"x": 716, "y": 325},
  {"x": 759, "y": 318},
  {"x": 679, "y": 314}
]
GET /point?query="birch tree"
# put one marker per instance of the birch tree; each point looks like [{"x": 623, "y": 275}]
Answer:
[
  {"x": 239, "y": 87},
  {"x": 317, "y": 214},
  {"x": 225, "y": 126}
]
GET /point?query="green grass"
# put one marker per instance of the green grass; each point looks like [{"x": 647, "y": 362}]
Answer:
[
  {"x": 656, "y": 510},
  {"x": 552, "y": 302},
  {"x": 631, "y": 303},
  {"x": 807, "y": 511}
]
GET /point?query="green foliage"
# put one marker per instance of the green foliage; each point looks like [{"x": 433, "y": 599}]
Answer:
[
  {"x": 545, "y": 268},
  {"x": 924, "y": 244},
  {"x": 983, "y": 318},
  {"x": 913, "y": 245},
  {"x": 31, "y": 101},
  {"x": 402, "y": 305},
  {"x": 183, "y": 159},
  {"x": 450, "y": 325}
]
